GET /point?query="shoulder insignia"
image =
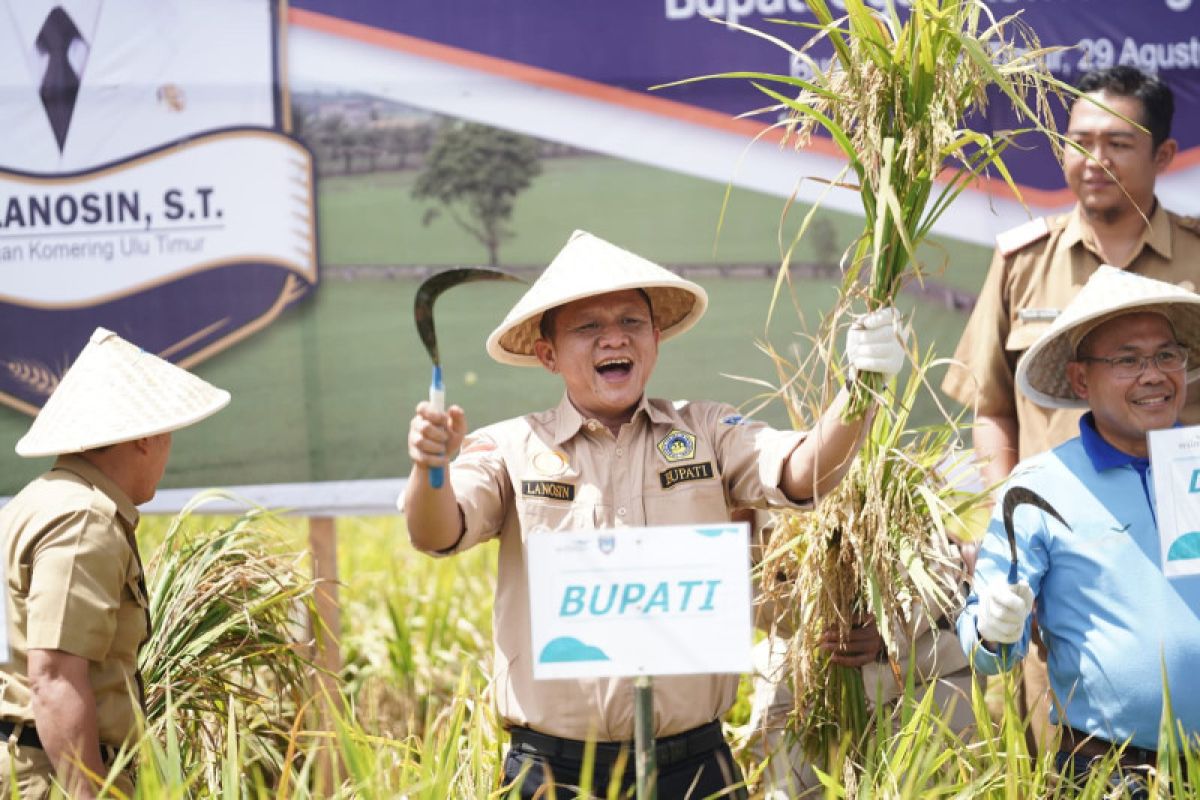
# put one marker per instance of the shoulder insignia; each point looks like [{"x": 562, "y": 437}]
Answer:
[
  {"x": 1190, "y": 223},
  {"x": 477, "y": 444},
  {"x": 1014, "y": 239}
]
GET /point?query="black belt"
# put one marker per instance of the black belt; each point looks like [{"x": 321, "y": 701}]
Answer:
[
  {"x": 668, "y": 750},
  {"x": 1081, "y": 743},
  {"x": 28, "y": 737}
]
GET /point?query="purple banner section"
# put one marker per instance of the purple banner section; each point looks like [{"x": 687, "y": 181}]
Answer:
[
  {"x": 636, "y": 44},
  {"x": 181, "y": 319}
]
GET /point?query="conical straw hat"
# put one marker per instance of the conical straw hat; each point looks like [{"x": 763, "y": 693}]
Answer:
[
  {"x": 116, "y": 392},
  {"x": 588, "y": 266},
  {"x": 1110, "y": 292}
]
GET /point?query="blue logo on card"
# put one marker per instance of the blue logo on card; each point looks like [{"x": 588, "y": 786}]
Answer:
[{"x": 566, "y": 649}]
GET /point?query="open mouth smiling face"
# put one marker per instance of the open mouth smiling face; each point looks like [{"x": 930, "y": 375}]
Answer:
[
  {"x": 605, "y": 348},
  {"x": 614, "y": 369}
]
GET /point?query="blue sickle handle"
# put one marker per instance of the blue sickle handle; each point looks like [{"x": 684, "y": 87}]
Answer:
[
  {"x": 437, "y": 399},
  {"x": 1006, "y": 649}
]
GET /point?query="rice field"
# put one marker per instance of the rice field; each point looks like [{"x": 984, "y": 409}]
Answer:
[{"x": 412, "y": 719}]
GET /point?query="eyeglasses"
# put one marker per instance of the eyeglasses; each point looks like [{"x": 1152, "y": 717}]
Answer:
[{"x": 1168, "y": 359}]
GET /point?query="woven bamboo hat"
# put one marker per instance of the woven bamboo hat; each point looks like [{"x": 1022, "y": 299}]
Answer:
[
  {"x": 1110, "y": 292},
  {"x": 588, "y": 266},
  {"x": 117, "y": 392}
]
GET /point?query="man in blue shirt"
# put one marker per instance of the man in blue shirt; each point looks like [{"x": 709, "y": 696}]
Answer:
[{"x": 1083, "y": 528}]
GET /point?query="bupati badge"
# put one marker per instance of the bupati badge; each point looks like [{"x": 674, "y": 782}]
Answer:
[{"x": 678, "y": 446}]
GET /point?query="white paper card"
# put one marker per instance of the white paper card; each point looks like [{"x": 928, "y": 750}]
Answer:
[
  {"x": 640, "y": 601},
  {"x": 1175, "y": 463}
]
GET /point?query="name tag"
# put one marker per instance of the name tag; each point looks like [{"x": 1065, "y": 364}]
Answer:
[
  {"x": 1038, "y": 314},
  {"x": 692, "y": 472},
  {"x": 551, "y": 489}
]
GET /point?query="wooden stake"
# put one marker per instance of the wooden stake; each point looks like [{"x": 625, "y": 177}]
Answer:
[{"x": 326, "y": 634}]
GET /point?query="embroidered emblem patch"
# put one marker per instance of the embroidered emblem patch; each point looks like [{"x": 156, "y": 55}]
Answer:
[
  {"x": 691, "y": 472},
  {"x": 678, "y": 446},
  {"x": 550, "y": 463},
  {"x": 552, "y": 490}
]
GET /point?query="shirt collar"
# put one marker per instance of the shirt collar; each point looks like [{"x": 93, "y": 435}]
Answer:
[
  {"x": 1157, "y": 237},
  {"x": 570, "y": 421},
  {"x": 1102, "y": 454},
  {"x": 85, "y": 469}
]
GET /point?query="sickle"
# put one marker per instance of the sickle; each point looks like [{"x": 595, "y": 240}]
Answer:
[
  {"x": 1013, "y": 498},
  {"x": 427, "y": 293}
]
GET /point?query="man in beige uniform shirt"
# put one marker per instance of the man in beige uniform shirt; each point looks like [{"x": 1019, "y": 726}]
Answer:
[
  {"x": 1040, "y": 266},
  {"x": 76, "y": 595},
  {"x": 607, "y": 456}
]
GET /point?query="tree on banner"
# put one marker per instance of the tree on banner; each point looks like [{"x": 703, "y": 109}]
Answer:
[{"x": 476, "y": 172}]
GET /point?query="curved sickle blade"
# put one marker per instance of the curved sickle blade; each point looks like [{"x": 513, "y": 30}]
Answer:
[
  {"x": 434, "y": 285},
  {"x": 1020, "y": 496}
]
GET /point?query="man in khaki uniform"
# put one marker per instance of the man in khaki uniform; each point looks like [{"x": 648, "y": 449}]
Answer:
[
  {"x": 607, "y": 456},
  {"x": 1040, "y": 266},
  {"x": 76, "y": 602}
]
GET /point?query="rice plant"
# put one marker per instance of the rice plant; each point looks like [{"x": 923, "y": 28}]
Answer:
[
  {"x": 455, "y": 748},
  {"x": 905, "y": 101},
  {"x": 226, "y": 610}
]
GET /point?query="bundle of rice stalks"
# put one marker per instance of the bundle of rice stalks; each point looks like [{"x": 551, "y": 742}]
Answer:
[
  {"x": 906, "y": 101},
  {"x": 876, "y": 548},
  {"x": 226, "y": 642}
]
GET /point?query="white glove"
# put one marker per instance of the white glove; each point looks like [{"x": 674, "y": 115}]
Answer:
[
  {"x": 1003, "y": 609},
  {"x": 875, "y": 342}
]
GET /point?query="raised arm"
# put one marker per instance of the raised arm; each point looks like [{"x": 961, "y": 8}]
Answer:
[
  {"x": 820, "y": 462},
  {"x": 874, "y": 343}
]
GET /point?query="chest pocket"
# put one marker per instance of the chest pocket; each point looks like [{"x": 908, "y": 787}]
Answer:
[
  {"x": 687, "y": 492},
  {"x": 558, "y": 505},
  {"x": 133, "y": 618},
  {"x": 1023, "y": 334}
]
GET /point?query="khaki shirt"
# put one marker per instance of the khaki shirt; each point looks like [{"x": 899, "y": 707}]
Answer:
[
  {"x": 557, "y": 471},
  {"x": 75, "y": 584},
  {"x": 1030, "y": 280}
]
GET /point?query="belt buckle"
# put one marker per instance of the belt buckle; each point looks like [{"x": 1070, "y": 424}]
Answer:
[{"x": 676, "y": 751}]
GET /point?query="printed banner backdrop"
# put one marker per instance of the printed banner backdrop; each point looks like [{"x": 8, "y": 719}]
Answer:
[
  {"x": 179, "y": 208},
  {"x": 583, "y": 72},
  {"x": 125, "y": 198}
]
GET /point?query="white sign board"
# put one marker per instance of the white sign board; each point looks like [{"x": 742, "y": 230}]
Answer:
[
  {"x": 640, "y": 601},
  {"x": 1175, "y": 460}
]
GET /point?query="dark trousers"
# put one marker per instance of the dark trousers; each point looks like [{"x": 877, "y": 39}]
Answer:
[{"x": 692, "y": 776}]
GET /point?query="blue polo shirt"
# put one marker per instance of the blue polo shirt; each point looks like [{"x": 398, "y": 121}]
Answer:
[{"x": 1111, "y": 620}]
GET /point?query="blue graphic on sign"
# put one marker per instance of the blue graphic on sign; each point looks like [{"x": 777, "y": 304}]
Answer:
[
  {"x": 1195, "y": 484},
  {"x": 564, "y": 649},
  {"x": 715, "y": 532},
  {"x": 1185, "y": 547}
]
